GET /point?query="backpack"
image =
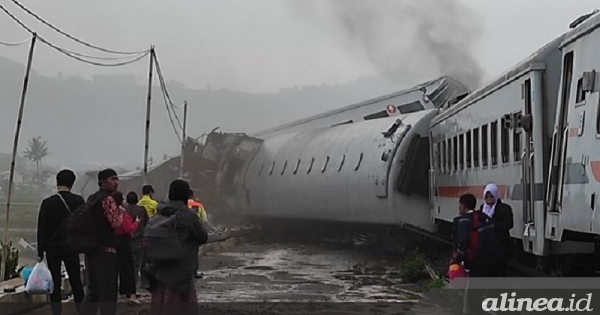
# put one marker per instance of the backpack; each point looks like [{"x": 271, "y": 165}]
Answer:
[
  {"x": 160, "y": 241},
  {"x": 80, "y": 230},
  {"x": 484, "y": 245}
]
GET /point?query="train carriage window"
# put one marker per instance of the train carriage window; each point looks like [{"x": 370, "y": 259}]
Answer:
[
  {"x": 271, "y": 169},
  {"x": 484, "y": 145},
  {"x": 438, "y": 157},
  {"x": 504, "y": 141},
  {"x": 469, "y": 149},
  {"x": 359, "y": 161},
  {"x": 494, "y": 142},
  {"x": 580, "y": 98},
  {"x": 517, "y": 136},
  {"x": 444, "y": 158},
  {"x": 284, "y": 166},
  {"x": 342, "y": 162},
  {"x": 449, "y": 157},
  {"x": 325, "y": 165},
  {"x": 461, "y": 151},
  {"x": 297, "y": 166},
  {"x": 455, "y": 154},
  {"x": 476, "y": 147},
  {"x": 312, "y": 161}
]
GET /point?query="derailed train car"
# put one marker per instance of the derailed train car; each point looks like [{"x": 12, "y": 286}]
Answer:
[
  {"x": 529, "y": 131},
  {"x": 369, "y": 172}
]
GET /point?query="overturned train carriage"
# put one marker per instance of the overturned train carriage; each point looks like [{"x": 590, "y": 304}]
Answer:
[{"x": 370, "y": 172}]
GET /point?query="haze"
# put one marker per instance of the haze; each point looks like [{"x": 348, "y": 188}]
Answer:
[{"x": 231, "y": 60}]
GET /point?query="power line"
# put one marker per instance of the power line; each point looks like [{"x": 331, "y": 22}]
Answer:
[
  {"x": 68, "y": 52},
  {"x": 73, "y": 37},
  {"x": 167, "y": 99},
  {"x": 15, "y": 44},
  {"x": 165, "y": 91}
]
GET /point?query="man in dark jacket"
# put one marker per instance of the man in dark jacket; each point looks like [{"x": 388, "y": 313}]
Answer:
[
  {"x": 101, "y": 263},
  {"x": 502, "y": 216},
  {"x": 481, "y": 258},
  {"x": 51, "y": 238},
  {"x": 173, "y": 282}
]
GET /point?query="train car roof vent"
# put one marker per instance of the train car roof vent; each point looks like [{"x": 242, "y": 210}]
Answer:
[
  {"x": 392, "y": 129},
  {"x": 582, "y": 19}
]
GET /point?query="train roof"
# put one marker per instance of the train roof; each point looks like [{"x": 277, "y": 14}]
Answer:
[
  {"x": 536, "y": 60},
  {"x": 440, "y": 91},
  {"x": 590, "y": 23}
]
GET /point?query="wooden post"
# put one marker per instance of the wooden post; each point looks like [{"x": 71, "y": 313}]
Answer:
[
  {"x": 148, "y": 103},
  {"x": 14, "y": 155},
  {"x": 183, "y": 141}
]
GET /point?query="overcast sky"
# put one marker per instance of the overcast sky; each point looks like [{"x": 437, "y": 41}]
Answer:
[
  {"x": 261, "y": 46},
  {"x": 231, "y": 43}
]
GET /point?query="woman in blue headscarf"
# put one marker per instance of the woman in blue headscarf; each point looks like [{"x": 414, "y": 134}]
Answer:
[{"x": 502, "y": 216}]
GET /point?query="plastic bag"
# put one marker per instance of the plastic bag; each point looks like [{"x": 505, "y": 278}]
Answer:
[{"x": 40, "y": 280}]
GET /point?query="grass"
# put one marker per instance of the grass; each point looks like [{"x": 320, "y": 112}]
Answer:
[{"x": 413, "y": 268}]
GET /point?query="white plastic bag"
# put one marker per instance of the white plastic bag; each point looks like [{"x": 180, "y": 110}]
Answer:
[{"x": 40, "y": 280}]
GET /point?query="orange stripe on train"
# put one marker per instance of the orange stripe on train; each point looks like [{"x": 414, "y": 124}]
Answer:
[
  {"x": 457, "y": 191},
  {"x": 596, "y": 169}
]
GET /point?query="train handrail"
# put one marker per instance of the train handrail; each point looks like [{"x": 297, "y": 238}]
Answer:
[
  {"x": 549, "y": 193},
  {"x": 524, "y": 187},
  {"x": 561, "y": 167},
  {"x": 533, "y": 187}
]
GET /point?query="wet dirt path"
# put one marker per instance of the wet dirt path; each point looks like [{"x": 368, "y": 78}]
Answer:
[{"x": 297, "y": 272}]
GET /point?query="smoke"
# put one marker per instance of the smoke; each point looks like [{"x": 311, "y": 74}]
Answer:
[{"x": 401, "y": 38}]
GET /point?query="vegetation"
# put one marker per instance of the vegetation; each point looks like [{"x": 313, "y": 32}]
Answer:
[
  {"x": 413, "y": 268},
  {"x": 36, "y": 151},
  {"x": 12, "y": 262}
]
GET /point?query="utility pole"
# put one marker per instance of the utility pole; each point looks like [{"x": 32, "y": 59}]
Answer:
[
  {"x": 148, "y": 103},
  {"x": 184, "y": 140},
  {"x": 5, "y": 248}
]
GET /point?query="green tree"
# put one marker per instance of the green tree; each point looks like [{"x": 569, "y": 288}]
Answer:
[{"x": 36, "y": 151}]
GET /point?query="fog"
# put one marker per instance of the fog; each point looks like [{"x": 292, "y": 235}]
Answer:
[{"x": 248, "y": 65}]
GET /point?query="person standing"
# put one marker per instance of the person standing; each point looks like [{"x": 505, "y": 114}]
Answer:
[
  {"x": 147, "y": 202},
  {"x": 198, "y": 208},
  {"x": 503, "y": 218},
  {"x": 51, "y": 239},
  {"x": 101, "y": 263},
  {"x": 136, "y": 239},
  {"x": 172, "y": 283},
  {"x": 127, "y": 284}
]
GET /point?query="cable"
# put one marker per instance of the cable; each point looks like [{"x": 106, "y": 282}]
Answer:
[
  {"x": 72, "y": 37},
  {"x": 15, "y": 44},
  {"x": 67, "y": 52},
  {"x": 165, "y": 91}
]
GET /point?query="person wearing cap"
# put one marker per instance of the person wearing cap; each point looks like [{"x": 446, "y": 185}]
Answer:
[
  {"x": 147, "y": 202},
  {"x": 51, "y": 239},
  {"x": 101, "y": 263},
  {"x": 172, "y": 284}
]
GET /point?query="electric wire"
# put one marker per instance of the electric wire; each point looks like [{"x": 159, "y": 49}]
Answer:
[
  {"x": 15, "y": 44},
  {"x": 73, "y": 37},
  {"x": 166, "y": 92},
  {"x": 67, "y": 52}
]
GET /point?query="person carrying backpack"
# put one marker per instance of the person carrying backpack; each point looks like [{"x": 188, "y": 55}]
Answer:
[
  {"x": 101, "y": 218},
  {"x": 171, "y": 241},
  {"x": 51, "y": 238},
  {"x": 476, "y": 243}
]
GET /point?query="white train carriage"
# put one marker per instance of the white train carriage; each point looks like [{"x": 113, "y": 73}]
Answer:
[
  {"x": 369, "y": 172},
  {"x": 480, "y": 140},
  {"x": 433, "y": 94},
  {"x": 572, "y": 192},
  {"x": 511, "y": 131}
]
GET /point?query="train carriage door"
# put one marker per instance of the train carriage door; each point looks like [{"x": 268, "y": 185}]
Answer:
[{"x": 389, "y": 142}]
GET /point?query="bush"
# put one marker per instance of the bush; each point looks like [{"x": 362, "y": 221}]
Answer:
[
  {"x": 12, "y": 262},
  {"x": 413, "y": 268}
]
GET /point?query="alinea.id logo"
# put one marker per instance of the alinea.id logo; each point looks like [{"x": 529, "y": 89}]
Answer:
[{"x": 513, "y": 304}]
